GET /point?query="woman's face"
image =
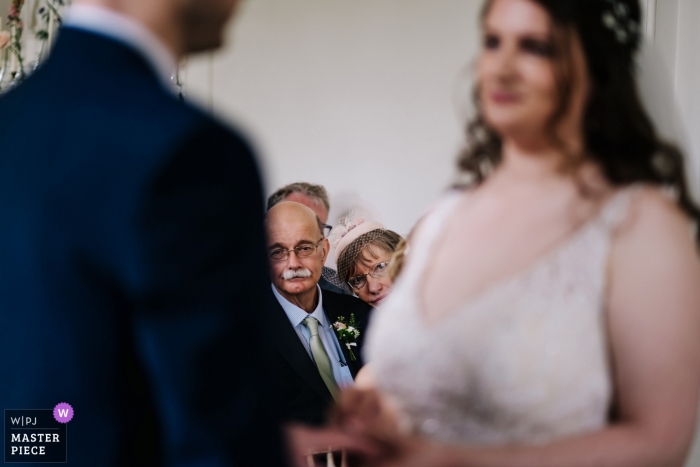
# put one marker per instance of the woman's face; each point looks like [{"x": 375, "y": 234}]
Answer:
[
  {"x": 369, "y": 260},
  {"x": 517, "y": 83}
]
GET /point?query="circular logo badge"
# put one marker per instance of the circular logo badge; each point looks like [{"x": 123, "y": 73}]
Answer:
[{"x": 63, "y": 412}]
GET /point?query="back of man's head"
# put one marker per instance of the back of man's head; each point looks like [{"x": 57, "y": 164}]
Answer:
[
  {"x": 308, "y": 194},
  {"x": 316, "y": 192}
]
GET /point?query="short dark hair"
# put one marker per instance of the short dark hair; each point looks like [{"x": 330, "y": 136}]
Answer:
[
  {"x": 316, "y": 192},
  {"x": 320, "y": 225}
]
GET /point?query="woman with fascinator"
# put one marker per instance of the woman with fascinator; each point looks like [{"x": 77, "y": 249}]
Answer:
[
  {"x": 549, "y": 314},
  {"x": 363, "y": 250}
]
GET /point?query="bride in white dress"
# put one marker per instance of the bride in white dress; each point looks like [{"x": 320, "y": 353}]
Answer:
[{"x": 550, "y": 314}]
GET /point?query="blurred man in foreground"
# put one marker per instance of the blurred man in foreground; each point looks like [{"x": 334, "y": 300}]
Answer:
[{"x": 131, "y": 271}]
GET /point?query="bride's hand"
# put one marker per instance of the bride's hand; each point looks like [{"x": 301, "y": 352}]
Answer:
[
  {"x": 417, "y": 452},
  {"x": 305, "y": 441},
  {"x": 365, "y": 412}
]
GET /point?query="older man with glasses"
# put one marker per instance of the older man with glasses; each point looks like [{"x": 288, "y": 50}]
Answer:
[
  {"x": 313, "y": 359},
  {"x": 315, "y": 197}
]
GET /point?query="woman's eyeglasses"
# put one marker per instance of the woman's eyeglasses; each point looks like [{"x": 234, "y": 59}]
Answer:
[{"x": 377, "y": 271}]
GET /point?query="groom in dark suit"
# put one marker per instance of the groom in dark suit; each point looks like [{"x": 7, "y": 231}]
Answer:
[
  {"x": 310, "y": 361},
  {"x": 131, "y": 270}
]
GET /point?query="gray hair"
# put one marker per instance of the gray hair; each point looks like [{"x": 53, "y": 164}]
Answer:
[{"x": 316, "y": 192}]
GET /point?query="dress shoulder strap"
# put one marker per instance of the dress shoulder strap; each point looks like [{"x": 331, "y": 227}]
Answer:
[
  {"x": 616, "y": 209},
  {"x": 436, "y": 216},
  {"x": 427, "y": 230}
]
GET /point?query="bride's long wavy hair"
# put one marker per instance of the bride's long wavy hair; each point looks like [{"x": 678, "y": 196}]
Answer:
[{"x": 619, "y": 135}]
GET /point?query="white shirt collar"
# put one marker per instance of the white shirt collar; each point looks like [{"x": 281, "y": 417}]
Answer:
[
  {"x": 295, "y": 314},
  {"x": 124, "y": 29}
]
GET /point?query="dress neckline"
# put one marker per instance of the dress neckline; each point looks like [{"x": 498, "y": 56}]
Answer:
[{"x": 506, "y": 281}]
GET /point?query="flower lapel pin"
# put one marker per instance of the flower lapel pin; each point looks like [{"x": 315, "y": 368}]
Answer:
[{"x": 348, "y": 333}]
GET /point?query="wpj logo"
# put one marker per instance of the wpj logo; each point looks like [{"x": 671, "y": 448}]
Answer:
[{"x": 37, "y": 435}]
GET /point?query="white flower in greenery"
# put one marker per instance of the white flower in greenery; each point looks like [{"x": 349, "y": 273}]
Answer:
[{"x": 347, "y": 332}]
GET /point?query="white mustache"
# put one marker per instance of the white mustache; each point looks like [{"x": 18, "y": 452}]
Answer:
[{"x": 290, "y": 274}]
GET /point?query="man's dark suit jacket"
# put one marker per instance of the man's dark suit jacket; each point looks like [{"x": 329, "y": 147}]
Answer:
[
  {"x": 132, "y": 266},
  {"x": 302, "y": 394}
]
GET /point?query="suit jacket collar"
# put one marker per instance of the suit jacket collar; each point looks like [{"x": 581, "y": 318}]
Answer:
[
  {"x": 111, "y": 24},
  {"x": 98, "y": 57}
]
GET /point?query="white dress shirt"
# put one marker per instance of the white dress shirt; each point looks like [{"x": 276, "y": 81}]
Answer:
[
  {"x": 116, "y": 26},
  {"x": 341, "y": 371}
]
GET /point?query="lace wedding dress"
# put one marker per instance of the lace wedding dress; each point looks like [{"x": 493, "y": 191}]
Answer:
[{"x": 525, "y": 361}]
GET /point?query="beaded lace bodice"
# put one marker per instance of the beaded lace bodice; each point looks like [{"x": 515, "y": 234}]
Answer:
[{"x": 526, "y": 361}]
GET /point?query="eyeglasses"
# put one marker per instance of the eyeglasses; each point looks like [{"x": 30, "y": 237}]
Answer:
[
  {"x": 327, "y": 230},
  {"x": 377, "y": 271},
  {"x": 302, "y": 251}
]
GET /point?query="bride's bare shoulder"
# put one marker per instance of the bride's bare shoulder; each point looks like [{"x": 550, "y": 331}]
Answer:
[
  {"x": 654, "y": 248},
  {"x": 655, "y": 216}
]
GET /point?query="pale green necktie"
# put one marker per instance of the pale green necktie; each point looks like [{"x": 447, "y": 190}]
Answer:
[{"x": 323, "y": 363}]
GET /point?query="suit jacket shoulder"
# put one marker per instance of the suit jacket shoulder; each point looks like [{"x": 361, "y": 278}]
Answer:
[{"x": 337, "y": 304}]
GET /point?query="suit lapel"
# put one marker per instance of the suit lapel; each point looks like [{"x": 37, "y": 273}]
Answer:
[{"x": 287, "y": 341}]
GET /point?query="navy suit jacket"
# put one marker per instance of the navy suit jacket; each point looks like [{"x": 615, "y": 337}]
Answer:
[{"x": 132, "y": 266}]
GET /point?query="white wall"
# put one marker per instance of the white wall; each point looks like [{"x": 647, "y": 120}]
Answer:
[
  {"x": 359, "y": 96},
  {"x": 368, "y": 97},
  {"x": 675, "y": 37},
  {"x": 687, "y": 81}
]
